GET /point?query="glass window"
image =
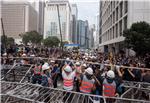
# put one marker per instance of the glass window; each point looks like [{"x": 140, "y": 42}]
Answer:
[
  {"x": 120, "y": 26},
  {"x": 125, "y": 23},
  {"x": 117, "y": 14},
  {"x": 64, "y": 28},
  {"x": 113, "y": 32},
  {"x": 126, "y": 6},
  {"x": 111, "y": 6},
  {"x": 116, "y": 30},
  {"x": 121, "y": 8},
  {"x": 113, "y": 17}
]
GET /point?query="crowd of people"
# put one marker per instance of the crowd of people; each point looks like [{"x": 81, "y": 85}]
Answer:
[{"x": 79, "y": 72}]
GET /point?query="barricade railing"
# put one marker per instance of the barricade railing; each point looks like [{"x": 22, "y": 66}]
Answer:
[
  {"x": 39, "y": 94},
  {"x": 12, "y": 99},
  {"x": 26, "y": 72},
  {"x": 96, "y": 63},
  {"x": 17, "y": 73},
  {"x": 5, "y": 69},
  {"x": 132, "y": 87},
  {"x": 19, "y": 67}
]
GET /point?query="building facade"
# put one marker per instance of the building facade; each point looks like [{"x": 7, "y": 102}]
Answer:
[
  {"x": 115, "y": 17},
  {"x": 81, "y": 33},
  {"x": 51, "y": 22},
  {"x": 96, "y": 32},
  {"x": 87, "y": 32},
  {"x": 91, "y": 36},
  {"x": 18, "y": 17},
  {"x": 74, "y": 22},
  {"x": 39, "y": 5}
]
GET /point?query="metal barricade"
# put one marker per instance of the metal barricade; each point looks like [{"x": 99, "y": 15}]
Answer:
[
  {"x": 14, "y": 88},
  {"x": 94, "y": 63},
  {"x": 39, "y": 94},
  {"x": 10, "y": 99},
  {"x": 135, "y": 90},
  {"x": 16, "y": 73},
  {"x": 4, "y": 69}
]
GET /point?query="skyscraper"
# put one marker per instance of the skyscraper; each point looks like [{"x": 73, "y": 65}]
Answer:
[
  {"x": 38, "y": 5},
  {"x": 74, "y": 22},
  {"x": 51, "y": 24},
  {"x": 96, "y": 32},
  {"x": 91, "y": 37},
  {"x": 87, "y": 34},
  {"x": 83, "y": 33}
]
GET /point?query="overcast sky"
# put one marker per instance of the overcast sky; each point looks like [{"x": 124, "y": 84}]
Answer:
[{"x": 87, "y": 9}]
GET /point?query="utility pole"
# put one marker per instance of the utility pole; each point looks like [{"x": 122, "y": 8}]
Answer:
[
  {"x": 4, "y": 35},
  {"x": 59, "y": 28}
]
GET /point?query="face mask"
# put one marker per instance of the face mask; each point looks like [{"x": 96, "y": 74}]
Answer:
[{"x": 109, "y": 80}]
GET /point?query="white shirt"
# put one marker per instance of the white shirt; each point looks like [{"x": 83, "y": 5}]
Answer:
[{"x": 70, "y": 76}]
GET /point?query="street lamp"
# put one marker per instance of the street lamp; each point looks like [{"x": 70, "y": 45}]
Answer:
[
  {"x": 5, "y": 47},
  {"x": 59, "y": 28}
]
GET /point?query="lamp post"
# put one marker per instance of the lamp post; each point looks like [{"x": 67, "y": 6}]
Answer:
[
  {"x": 61, "y": 45},
  {"x": 5, "y": 50}
]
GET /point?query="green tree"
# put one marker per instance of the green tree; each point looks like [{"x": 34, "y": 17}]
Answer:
[
  {"x": 10, "y": 41},
  {"x": 7, "y": 40},
  {"x": 25, "y": 38},
  {"x": 3, "y": 39},
  {"x": 31, "y": 37},
  {"x": 137, "y": 38},
  {"x": 51, "y": 41}
]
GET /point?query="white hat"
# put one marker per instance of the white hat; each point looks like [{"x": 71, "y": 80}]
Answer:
[
  {"x": 111, "y": 74},
  {"x": 89, "y": 71},
  {"x": 86, "y": 54},
  {"x": 107, "y": 61},
  {"x": 84, "y": 65},
  {"x": 86, "y": 58},
  {"x": 32, "y": 55},
  {"x": 45, "y": 67},
  {"x": 92, "y": 57},
  {"x": 40, "y": 58},
  {"x": 67, "y": 59},
  {"x": 4, "y": 54},
  {"x": 24, "y": 54},
  {"x": 46, "y": 63},
  {"x": 68, "y": 69},
  {"x": 77, "y": 63},
  {"x": 52, "y": 61}
]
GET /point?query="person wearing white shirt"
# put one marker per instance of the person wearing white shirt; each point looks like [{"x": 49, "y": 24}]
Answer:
[{"x": 68, "y": 80}]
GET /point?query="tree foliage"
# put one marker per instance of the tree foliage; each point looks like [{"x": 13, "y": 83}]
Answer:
[
  {"x": 51, "y": 41},
  {"x": 138, "y": 37},
  {"x": 7, "y": 40},
  {"x": 31, "y": 37}
]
